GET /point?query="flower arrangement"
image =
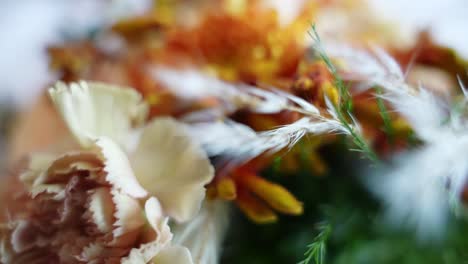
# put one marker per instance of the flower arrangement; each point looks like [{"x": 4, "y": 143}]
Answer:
[{"x": 224, "y": 132}]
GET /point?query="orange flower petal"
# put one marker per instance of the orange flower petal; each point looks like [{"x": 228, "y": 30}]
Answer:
[
  {"x": 133, "y": 27},
  {"x": 255, "y": 209},
  {"x": 226, "y": 189},
  {"x": 274, "y": 195}
]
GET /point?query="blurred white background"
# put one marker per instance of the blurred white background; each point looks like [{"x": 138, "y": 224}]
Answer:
[
  {"x": 447, "y": 20},
  {"x": 28, "y": 26}
]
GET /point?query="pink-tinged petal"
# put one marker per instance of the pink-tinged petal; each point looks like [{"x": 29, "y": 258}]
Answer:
[
  {"x": 91, "y": 252},
  {"x": 118, "y": 169},
  {"x": 60, "y": 169},
  {"x": 99, "y": 253},
  {"x": 102, "y": 209},
  {"x": 173, "y": 255},
  {"x": 35, "y": 257},
  {"x": 91, "y": 110},
  {"x": 172, "y": 168},
  {"x": 128, "y": 215},
  {"x": 50, "y": 176},
  {"x": 6, "y": 251},
  {"x": 23, "y": 236}
]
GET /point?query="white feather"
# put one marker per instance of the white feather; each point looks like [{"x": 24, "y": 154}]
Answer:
[
  {"x": 236, "y": 142},
  {"x": 424, "y": 111},
  {"x": 462, "y": 86},
  {"x": 240, "y": 143},
  {"x": 194, "y": 85},
  {"x": 417, "y": 190},
  {"x": 376, "y": 68}
]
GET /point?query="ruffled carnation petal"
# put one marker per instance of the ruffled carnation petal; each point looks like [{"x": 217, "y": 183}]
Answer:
[
  {"x": 46, "y": 169},
  {"x": 38, "y": 164},
  {"x": 91, "y": 110},
  {"x": 118, "y": 169},
  {"x": 156, "y": 219},
  {"x": 172, "y": 167},
  {"x": 173, "y": 255},
  {"x": 128, "y": 216},
  {"x": 158, "y": 241}
]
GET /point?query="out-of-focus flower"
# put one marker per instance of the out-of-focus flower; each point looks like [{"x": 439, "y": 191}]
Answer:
[
  {"x": 419, "y": 189},
  {"x": 84, "y": 204},
  {"x": 435, "y": 67},
  {"x": 259, "y": 198},
  {"x": 220, "y": 38},
  {"x": 354, "y": 21}
]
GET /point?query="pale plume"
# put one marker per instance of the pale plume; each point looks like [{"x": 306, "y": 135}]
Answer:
[
  {"x": 424, "y": 110},
  {"x": 419, "y": 187},
  {"x": 237, "y": 142},
  {"x": 193, "y": 85}
]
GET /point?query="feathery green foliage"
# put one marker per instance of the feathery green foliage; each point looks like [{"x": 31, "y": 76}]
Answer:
[
  {"x": 358, "y": 233},
  {"x": 388, "y": 129},
  {"x": 344, "y": 109},
  {"x": 317, "y": 250}
]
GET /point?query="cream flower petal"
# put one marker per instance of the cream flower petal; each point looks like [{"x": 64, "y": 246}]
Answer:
[
  {"x": 98, "y": 253},
  {"x": 155, "y": 217},
  {"x": 57, "y": 189},
  {"x": 172, "y": 167},
  {"x": 119, "y": 171},
  {"x": 48, "y": 173},
  {"x": 73, "y": 161},
  {"x": 94, "y": 109},
  {"x": 204, "y": 234},
  {"x": 128, "y": 214},
  {"x": 38, "y": 163},
  {"x": 146, "y": 252},
  {"x": 173, "y": 255}
]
